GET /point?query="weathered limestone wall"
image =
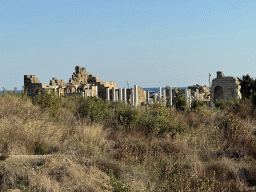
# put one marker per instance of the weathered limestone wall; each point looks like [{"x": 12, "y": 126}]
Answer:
[
  {"x": 141, "y": 95},
  {"x": 33, "y": 85},
  {"x": 204, "y": 92},
  {"x": 79, "y": 82},
  {"x": 224, "y": 87},
  {"x": 109, "y": 84},
  {"x": 79, "y": 77},
  {"x": 55, "y": 82}
]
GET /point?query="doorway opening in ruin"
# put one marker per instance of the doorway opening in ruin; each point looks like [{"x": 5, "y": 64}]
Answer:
[{"x": 218, "y": 93}]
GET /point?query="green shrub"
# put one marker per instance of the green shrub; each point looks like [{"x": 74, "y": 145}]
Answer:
[
  {"x": 159, "y": 120},
  {"x": 49, "y": 101},
  {"x": 159, "y": 110},
  {"x": 117, "y": 185},
  {"x": 42, "y": 148},
  {"x": 156, "y": 120},
  {"x": 157, "y": 124},
  {"x": 92, "y": 107},
  {"x": 180, "y": 103},
  {"x": 197, "y": 105},
  {"x": 127, "y": 115},
  {"x": 232, "y": 103}
]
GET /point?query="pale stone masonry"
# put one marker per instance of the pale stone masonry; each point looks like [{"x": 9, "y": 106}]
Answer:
[
  {"x": 225, "y": 87},
  {"x": 85, "y": 84},
  {"x": 80, "y": 83}
]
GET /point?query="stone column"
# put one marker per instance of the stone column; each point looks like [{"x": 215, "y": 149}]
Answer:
[
  {"x": 120, "y": 95},
  {"x": 96, "y": 91},
  {"x": 91, "y": 94},
  {"x": 170, "y": 96},
  {"x": 107, "y": 94},
  {"x": 164, "y": 97},
  {"x": 197, "y": 94},
  {"x": 58, "y": 92},
  {"x": 155, "y": 98},
  {"x": 136, "y": 94},
  {"x": 125, "y": 95},
  {"x": 147, "y": 97},
  {"x": 160, "y": 94},
  {"x": 132, "y": 96},
  {"x": 189, "y": 97},
  {"x": 86, "y": 94},
  {"x": 186, "y": 96},
  {"x": 116, "y": 94},
  {"x": 113, "y": 94},
  {"x": 83, "y": 94}
]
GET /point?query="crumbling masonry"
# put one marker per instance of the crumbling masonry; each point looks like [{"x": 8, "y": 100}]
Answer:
[
  {"x": 80, "y": 82},
  {"x": 225, "y": 87}
]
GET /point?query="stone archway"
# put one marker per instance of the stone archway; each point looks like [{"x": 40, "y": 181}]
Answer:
[{"x": 218, "y": 93}]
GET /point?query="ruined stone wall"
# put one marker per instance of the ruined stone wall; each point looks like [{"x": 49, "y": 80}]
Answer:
[
  {"x": 55, "y": 82},
  {"x": 33, "y": 85},
  {"x": 224, "y": 87},
  {"x": 79, "y": 77},
  {"x": 141, "y": 95},
  {"x": 109, "y": 84},
  {"x": 79, "y": 82},
  {"x": 204, "y": 92}
]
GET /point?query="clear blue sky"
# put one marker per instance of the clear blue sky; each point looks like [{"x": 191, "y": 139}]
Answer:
[{"x": 145, "y": 42}]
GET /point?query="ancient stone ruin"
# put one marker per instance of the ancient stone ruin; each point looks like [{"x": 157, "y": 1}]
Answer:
[
  {"x": 80, "y": 82},
  {"x": 83, "y": 83},
  {"x": 203, "y": 92},
  {"x": 225, "y": 87}
]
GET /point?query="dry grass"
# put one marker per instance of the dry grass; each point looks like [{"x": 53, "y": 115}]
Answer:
[{"x": 216, "y": 150}]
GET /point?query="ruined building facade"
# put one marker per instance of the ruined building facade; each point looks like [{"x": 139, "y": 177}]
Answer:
[
  {"x": 80, "y": 82},
  {"x": 225, "y": 87}
]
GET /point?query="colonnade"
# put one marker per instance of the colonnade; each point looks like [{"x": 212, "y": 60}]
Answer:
[{"x": 162, "y": 97}]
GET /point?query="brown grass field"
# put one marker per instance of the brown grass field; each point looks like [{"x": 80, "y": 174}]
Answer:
[{"x": 61, "y": 145}]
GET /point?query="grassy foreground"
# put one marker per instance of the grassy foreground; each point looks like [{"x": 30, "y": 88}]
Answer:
[{"x": 92, "y": 145}]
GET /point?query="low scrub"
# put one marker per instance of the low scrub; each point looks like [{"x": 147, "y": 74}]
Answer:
[{"x": 88, "y": 144}]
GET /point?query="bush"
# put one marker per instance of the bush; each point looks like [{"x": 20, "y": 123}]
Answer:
[
  {"x": 42, "y": 148},
  {"x": 117, "y": 185},
  {"x": 92, "y": 107},
  {"x": 156, "y": 120},
  {"x": 232, "y": 103},
  {"x": 180, "y": 103},
  {"x": 49, "y": 101},
  {"x": 127, "y": 115},
  {"x": 197, "y": 105}
]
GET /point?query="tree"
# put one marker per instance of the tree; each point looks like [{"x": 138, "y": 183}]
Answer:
[{"x": 248, "y": 84}]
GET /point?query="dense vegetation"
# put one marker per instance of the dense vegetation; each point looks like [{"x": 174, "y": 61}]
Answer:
[{"x": 93, "y": 145}]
